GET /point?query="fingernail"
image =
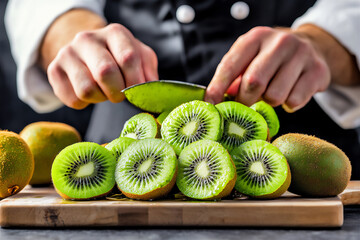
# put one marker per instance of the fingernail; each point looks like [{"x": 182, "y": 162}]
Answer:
[{"x": 289, "y": 109}]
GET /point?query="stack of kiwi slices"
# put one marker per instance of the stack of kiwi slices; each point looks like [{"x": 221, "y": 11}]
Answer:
[
  {"x": 189, "y": 146},
  {"x": 205, "y": 150}
]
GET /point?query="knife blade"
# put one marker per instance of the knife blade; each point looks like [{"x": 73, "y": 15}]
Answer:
[{"x": 163, "y": 95}]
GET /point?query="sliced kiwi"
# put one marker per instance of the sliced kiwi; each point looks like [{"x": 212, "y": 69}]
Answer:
[
  {"x": 162, "y": 116},
  {"x": 141, "y": 126},
  {"x": 262, "y": 170},
  {"x": 146, "y": 169},
  {"x": 118, "y": 146},
  {"x": 241, "y": 124},
  {"x": 269, "y": 115},
  {"x": 206, "y": 171},
  {"x": 83, "y": 171},
  {"x": 190, "y": 122}
]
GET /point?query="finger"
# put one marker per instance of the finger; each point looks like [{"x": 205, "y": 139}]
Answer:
[
  {"x": 62, "y": 87},
  {"x": 230, "y": 67},
  {"x": 235, "y": 62},
  {"x": 301, "y": 93},
  {"x": 234, "y": 87},
  {"x": 102, "y": 66},
  {"x": 263, "y": 68},
  {"x": 280, "y": 86},
  {"x": 83, "y": 84},
  {"x": 149, "y": 62},
  {"x": 124, "y": 49}
]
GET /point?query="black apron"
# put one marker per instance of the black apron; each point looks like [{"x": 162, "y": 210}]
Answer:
[{"x": 191, "y": 52}]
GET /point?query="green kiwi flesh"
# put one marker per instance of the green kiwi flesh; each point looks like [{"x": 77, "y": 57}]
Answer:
[
  {"x": 162, "y": 116},
  {"x": 146, "y": 169},
  {"x": 241, "y": 124},
  {"x": 141, "y": 126},
  {"x": 262, "y": 170},
  {"x": 190, "y": 122},
  {"x": 270, "y": 116},
  {"x": 118, "y": 146},
  {"x": 83, "y": 171},
  {"x": 318, "y": 168},
  {"x": 206, "y": 171}
]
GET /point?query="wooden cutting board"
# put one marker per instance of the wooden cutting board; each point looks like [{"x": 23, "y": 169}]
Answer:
[{"x": 34, "y": 207}]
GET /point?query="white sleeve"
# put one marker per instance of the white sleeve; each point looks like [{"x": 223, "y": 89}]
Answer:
[
  {"x": 26, "y": 24},
  {"x": 341, "y": 18}
]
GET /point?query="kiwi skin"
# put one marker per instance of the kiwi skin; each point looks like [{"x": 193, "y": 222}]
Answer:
[
  {"x": 16, "y": 164},
  {"x": 318, "y": 168},
  {"x": 155, "y": 194},
  {"x": 46, "y": 140}
]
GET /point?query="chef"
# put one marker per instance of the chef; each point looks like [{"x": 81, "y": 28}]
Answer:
[{"x": 92, "y": 49}]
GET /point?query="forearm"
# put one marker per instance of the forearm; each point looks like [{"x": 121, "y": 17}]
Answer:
[{"x": 64, "y": 29}]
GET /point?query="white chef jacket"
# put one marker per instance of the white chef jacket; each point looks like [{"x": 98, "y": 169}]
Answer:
[{"x": 339, "y": 18}]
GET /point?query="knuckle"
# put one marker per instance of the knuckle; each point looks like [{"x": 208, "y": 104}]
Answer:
[
  {"x": 64, "y": 52},
  {"x": 83, "y": 36},
  {"x": 53, "y": 69},
  {"x": 86, "y": 91},
  {"x": 128, "y": 57},
  {"x": 106, "y": 69},
  {"x": 285, "y": 39},
  {"x": 304, "y": 47},
  {"x": 253, "y": 83},
  {"x": 116, "y": 28}
]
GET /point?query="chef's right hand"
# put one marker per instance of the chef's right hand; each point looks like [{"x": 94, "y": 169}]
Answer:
[{"x": 96, "y": 65}]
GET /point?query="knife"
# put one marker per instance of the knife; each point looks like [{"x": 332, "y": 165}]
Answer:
[{"x": 163, "y": 95}]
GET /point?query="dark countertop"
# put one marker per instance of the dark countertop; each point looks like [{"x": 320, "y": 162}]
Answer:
[{"x": 349, "y": 231}]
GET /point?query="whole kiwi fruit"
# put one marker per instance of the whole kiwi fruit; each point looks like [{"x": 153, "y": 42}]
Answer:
[
  {"x": 16, "y": 164},
  {"x": 318, "y": 168},
  {"x": 46, "y": 140}
]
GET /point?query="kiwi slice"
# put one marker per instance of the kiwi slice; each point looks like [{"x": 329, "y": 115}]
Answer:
[
  {"x": 146, "y": 169},
  {"x": 141, "y": 126},
  {"x": 270, "y": 116},
  {"x": 118, "y": 146},
  {"x": 206, "y": 171},
  {"x": 162, "y": 116},
  {"x": 190, "y": 122},
  {"x": 241, "y": 124},
  {"x": 262, "y": 170},
  {"x": 83, "y": 171}
]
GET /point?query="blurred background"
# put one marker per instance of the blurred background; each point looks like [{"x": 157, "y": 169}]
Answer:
[{"x": 14, "y": 114}]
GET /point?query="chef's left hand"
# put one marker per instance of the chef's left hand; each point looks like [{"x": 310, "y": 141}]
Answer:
[{"x": 276, "y": 65}]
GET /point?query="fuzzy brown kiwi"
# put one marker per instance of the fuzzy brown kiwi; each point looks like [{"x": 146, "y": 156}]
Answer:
[
  {"x": 318, "y": 168},
  {"x": 16, "y": 164},
  {"x": 46, "y": 140}
]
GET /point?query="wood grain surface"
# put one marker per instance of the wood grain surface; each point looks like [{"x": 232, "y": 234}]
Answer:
[{"x": 43, "y": 207}]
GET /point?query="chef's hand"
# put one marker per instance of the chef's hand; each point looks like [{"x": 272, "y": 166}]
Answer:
[
  {"x": 280, "y": 67},
  {"x": 97, "y": 64}
]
